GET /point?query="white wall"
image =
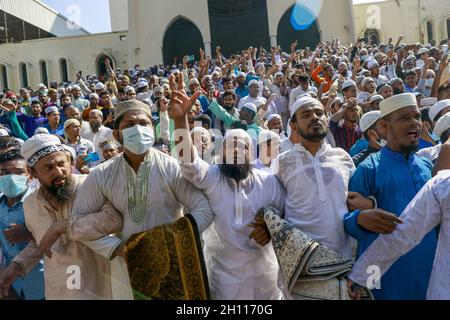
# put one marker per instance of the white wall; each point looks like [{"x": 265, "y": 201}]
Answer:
[
  {"x": 80, "y": 52},
  {"x": 404, "y": 19},
  {"x": 119, "y": 14}
]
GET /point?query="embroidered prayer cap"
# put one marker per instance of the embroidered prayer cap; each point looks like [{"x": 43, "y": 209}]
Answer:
[
  {"x": 70, "y": 122},
  {"x": 97, "y": 112},
  {"x": 76, "y": 87},
  {"x": 40, "y": 146},
  {"x": 422, "y": 51},
  {"x": 250, "y": 106},
  {"x": 128, "y": 106},
  {"x": 239, "y": 134},
  {"x": 201, "y": 130},
  {"x": 193, "y": 81},
  {"x": 252, "y": 83},
  {"x": 372, "y": 64},
  {"x": 241, "y": 74},
  {"x": 394, "y": 81},
  {"x": 303, "y": 102},
  {"x": 397, "y": 102},
  {"x": 367, "y": 80},
  {"x": 50, "y": 110},
  {"x": 273, "y": 116},
  {"x": 442, "y": 125},
  {"x": 348, "y": 84},
  {"x": 99, "y": 86},
  {"x": 369, "y": 119},
  {"x": 129, "y": 89},
  {"x": 376, "y": 97},
  {"x": 142, "y": 84},
  {"x": 437, "y": 108},
  {"x": 427, "y": 102}
]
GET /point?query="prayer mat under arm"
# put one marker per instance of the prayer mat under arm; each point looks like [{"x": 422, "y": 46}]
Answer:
[{"x": 166, "y": 262}]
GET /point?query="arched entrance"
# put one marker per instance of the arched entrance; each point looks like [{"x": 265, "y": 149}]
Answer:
[
  {"x": 4, "y": 77},
  {"x": 64, "y": 72},
  {"x": 23, "y": 75},
  {"x": 288, "y": 32},
  {"x": 373, "y": 37},
  {"x": 44, "y": 75},
  {"x": 102, "y": 70},
  {"x": 182, "y": 38}
]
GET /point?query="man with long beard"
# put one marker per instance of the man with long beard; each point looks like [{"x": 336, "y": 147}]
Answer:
[
  {"x": 71, "y": 271},
  {"x": 238, "y": 268}
]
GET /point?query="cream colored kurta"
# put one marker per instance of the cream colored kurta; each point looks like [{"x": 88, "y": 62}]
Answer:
[
  {"x": 168, "y": 193},
  {"x": 68, "y": 258},
  {"x": 238, "y": 268}
]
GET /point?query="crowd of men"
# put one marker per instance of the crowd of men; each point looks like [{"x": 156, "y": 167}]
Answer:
[{"x": 350, "y": 143}]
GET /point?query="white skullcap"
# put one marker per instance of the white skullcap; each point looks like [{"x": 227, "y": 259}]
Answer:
[
  {"x": 410, "y": 57},
  {"x": 4, "y": 133},
  {"x": 372, "y": 64},
  {"x": 142, "y": 84},
  {"x": 376, "y": 97},
  {"x": 250, "y": 106},
  {"x": 427, "y": 102},
  {"x": 348, "y": 84},
  {"x": 241, "y": 74},
  {"x": 253, "y": 82},
  {"x": 218, "y": 69},
  {"x": 369, "y": 119},
  {"x": 158, "y": 89},
  {"x": 279, "y": 74},
  {"x": 215, "y": 73},
  {"x": 71, "y": 150},
  {"x": 273, "y": 116},
  {"x": 442, "y": 125},
  {"x": 94, "y": 96},
  {"x": 129, "y": 89},
  {"x": 193, "y": 81},
  {"x": 51, "y": 110},
  {"x": 397, "y": 102},
  {"x": 239, "y": 134},
  {"x": 41, "y": 130},
  {"x": 422, "y": 51},
  {"x": 300, "y": 103},
  {"x": 201, "y": 130},
  {"x": 367, "y": 80},
  {"x": 266, "y": 135},
  {"x": 40, "y": 146},
  {"x": 99, "y": 86},
  {"x": 437, "y": 108},
  {"x": 76, "y": 87},
  {"x": 141, "y": 96},
  {"x": 342, "y": 63},
  {"x": 96, "y": 111},
  {"x": 70, "y": 122}
]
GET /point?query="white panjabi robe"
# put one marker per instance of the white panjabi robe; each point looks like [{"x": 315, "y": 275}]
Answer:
[{"x": 238, "y": 268}]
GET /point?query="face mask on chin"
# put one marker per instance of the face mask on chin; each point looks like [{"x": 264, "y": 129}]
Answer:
[{"x": 138, "y": 139}]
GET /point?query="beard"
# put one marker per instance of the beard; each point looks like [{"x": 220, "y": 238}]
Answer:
[
  {"x": 95, "y": 126},
  {"x": 236, "y": 171},
  {"x": 397, "y": 91},
  {"x": 408, "y": 149},
  {"x": 313, "y": 137},
  {"x": 62, "y": 194}
]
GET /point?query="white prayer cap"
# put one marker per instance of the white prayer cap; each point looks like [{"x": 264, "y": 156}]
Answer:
[
  {"x": 129, "y": 89},
  {"x": 158, "y": 89},
  {"x": 70, "y": 122},
  {"x": 142, "y": 84},
  {"x": 239, "y": 134},
  {"x": 250, "y": 106},
  {"x": 4, "y": 133},
  {"x": 303, "y": 102},
  {"x": 273, "y": 116},
  {"x": 410, "y": 57},
  {"x": 369, "y": 119},
  {"x": 348, "y": 84},
  {"x": 40, "y": 146},
  {"x": 372, "y": 64},
  {"x": 437, "y": 108},
  {"x": 266, "y": 135},
  {"x": 71, "y": 150},
  {"x": 193, "y": 81},
  {"x": 397, "y": 102},
  {"x": 215, "y": 73},
  {"x": 427, "y": 102},
  {"x": 217, "y": 69},
  {"x": 253, "y": 82},
  {"x": 376, "y": 97},
  {"x": 201, "y": 130},
  {"x": 97, "y": 112},
  {"x": 93, "y": 96},
  {"x": 50, "y": 110},
  {"x": 41, "y": 130},
  {"x": 175, "y": 71},
  {"x": 367, "y": 80},
  {"x": 99, "y": 86},
  {"x": 422, "y": 51},
  {"x": 76, "y": 87},
  {"x": 40, "y": 86},
  {"x": 394, "y": 81},
  {"x": 442, "y": 125},
  {"x": 241, "y": 74},
  {"x": 342, "y": 64},
  {"x": 279, "y": 74}
]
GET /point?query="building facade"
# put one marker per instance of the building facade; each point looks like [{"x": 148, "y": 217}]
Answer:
[{"x": 418, "y": 20}]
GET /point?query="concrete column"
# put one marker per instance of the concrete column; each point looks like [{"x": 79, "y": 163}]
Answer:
[
  {"x": 208, "y": 51},
  {"x": 273, "y": 41}
]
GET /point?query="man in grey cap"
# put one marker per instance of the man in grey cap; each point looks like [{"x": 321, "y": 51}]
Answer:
[{"x": 78, "y": 101}]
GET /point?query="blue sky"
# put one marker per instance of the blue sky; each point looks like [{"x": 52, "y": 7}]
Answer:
[{"x": 94, "y": 14}]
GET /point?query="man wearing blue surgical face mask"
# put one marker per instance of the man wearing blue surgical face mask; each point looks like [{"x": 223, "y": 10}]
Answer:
[{"x": 14, "y": 237}]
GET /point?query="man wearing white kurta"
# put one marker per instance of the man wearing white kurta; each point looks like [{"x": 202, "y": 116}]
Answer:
[
  {"x": 429, "y": 209},
  {"x": 316, "y": 177},
  {"x": 238, "y": 267},
  {"x": 145, "y": 185}
]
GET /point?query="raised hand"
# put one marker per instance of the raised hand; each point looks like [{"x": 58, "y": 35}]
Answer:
[{"x": 180, "y": 103}]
